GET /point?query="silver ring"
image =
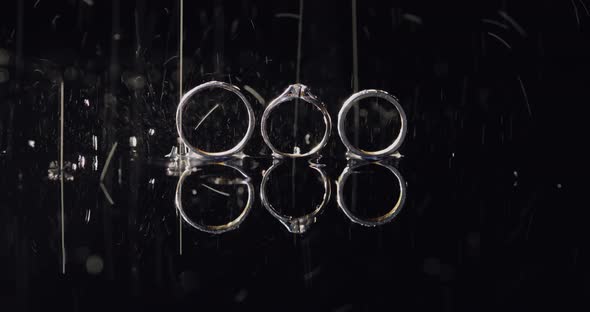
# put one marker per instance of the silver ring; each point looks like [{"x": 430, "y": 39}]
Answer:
[
  {"x": 296, "y": 224},
  {"x": 372, "y": 221},
  {"x": 209, "y": 85},
  {"x": 296, "y": 91},
  {"x": 372, "y": 154},
  {"x": 216, "y": 229}
]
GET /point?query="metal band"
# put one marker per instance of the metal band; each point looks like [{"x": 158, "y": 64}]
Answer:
[
  {"x": 216, "y": 229},
  {"x": 372, "y": 221},
  {"x": 296, "y": 91},
  {"x": 371, "y": 154},
  {"x": 295, "y": 224},
  {"x": 226, "y": 86}
]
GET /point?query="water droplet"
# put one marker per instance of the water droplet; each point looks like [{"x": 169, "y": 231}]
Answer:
[
  {"x": 94, "y": 265},
  {"x": 81, "y": 161}
]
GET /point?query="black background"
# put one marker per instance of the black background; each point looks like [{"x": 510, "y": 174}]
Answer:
[{"x": 493, "y": 91}]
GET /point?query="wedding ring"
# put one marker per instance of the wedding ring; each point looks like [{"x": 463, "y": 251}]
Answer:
[
  {"x": 216, "y": 229},
  {"x": 295, "y": 224},
  {"x": 293, "y": 92},
  {"x": 210, "y": 85},
  {"x": 387, "y": 217},
  {"x": 372, "y": 154}
]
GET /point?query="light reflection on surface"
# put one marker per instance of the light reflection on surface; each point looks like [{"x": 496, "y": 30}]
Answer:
[
  {"x": 220, "y": 180},
  {"x": 352, "y": 169},
  {"x": 294, "y": 224}
]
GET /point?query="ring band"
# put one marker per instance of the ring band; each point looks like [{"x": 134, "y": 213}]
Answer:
[
  {"x": 209, "y": 85},
  {"x": 296, "y": 224},
  {"x": 216, "y": 229},
  {"x": 372, "y": 154},
  {"x": 296, "y": 91},
  {"x": 387, "y": 217}
]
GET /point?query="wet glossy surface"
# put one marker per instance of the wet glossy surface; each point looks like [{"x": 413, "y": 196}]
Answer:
[
  {"x": 462, "y": 226},
  {"x": 484, "y": 219}
]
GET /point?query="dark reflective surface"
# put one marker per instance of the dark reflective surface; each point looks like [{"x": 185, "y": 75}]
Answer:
[
  {"x": 209, "y": 187},
  {"x": 370, "y": 191},
  {"x": 294, "y": 203},
  {"x": 491, "y": 89}
]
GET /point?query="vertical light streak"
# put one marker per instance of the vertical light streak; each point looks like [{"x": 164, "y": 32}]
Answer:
[
  {"x": 61, "y": 177},
  {"x": 182, "y": 149}
]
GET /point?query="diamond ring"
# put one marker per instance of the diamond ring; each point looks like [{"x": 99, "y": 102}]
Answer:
[{"x": 293, "y": 92}]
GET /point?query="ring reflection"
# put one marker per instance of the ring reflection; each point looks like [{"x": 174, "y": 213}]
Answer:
[
  {"x": 210, "y": 187},
  {"x": 295, "y": 223},
  {"x": 369, "y": 186}
]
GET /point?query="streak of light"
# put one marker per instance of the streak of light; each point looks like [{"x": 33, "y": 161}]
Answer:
[
  {"x": 215, "y": 190},
  {"x": 355, "y": 69},
  {"x": 526, "y": 98},
  {"x": 106, "y": 194},
  {"x": 180, "y": 234},
  {"x": 355, "y": 65},
  {"x": 493, "y": 22},
  {"x": 311, "y": 274},
  {"x": 512, "y": 22},
  {"x": 255, "y": 94},
  {"x": 170, "y": 59},
  {"x": 298, "y": 68},
  {"x": 355, "y": 87},
  {"x": 108, "y": 161},
  {"x": 61, "y": 177},
  {"x": 54, "y": 21},
  {"x": 137, "y": 36},
  {"x": 576, "y": 12},
  {"x": 289, "y": 15},
  {"x": 500, "y": 39},
  {"x": 180, "y": 49},
  {"x": 183, "y": 147},
  {"x": 584, "y": 6},
  {"x": 413, "y": 18},
  {"x": 207, "y": 115},
  {"x": 88, "y": 215},
  {"x": 299, "y": 37}
]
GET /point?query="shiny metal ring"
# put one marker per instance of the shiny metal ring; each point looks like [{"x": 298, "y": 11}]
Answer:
[
  {"x": 372, "y": 221},
  {"x": 296, "y": 91},
  {"x": 372, "y": 154},
  {"x": 215, "y": 229},
  {"x": 296, "y": 224},
  {"x": 226, "y": 86}
]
